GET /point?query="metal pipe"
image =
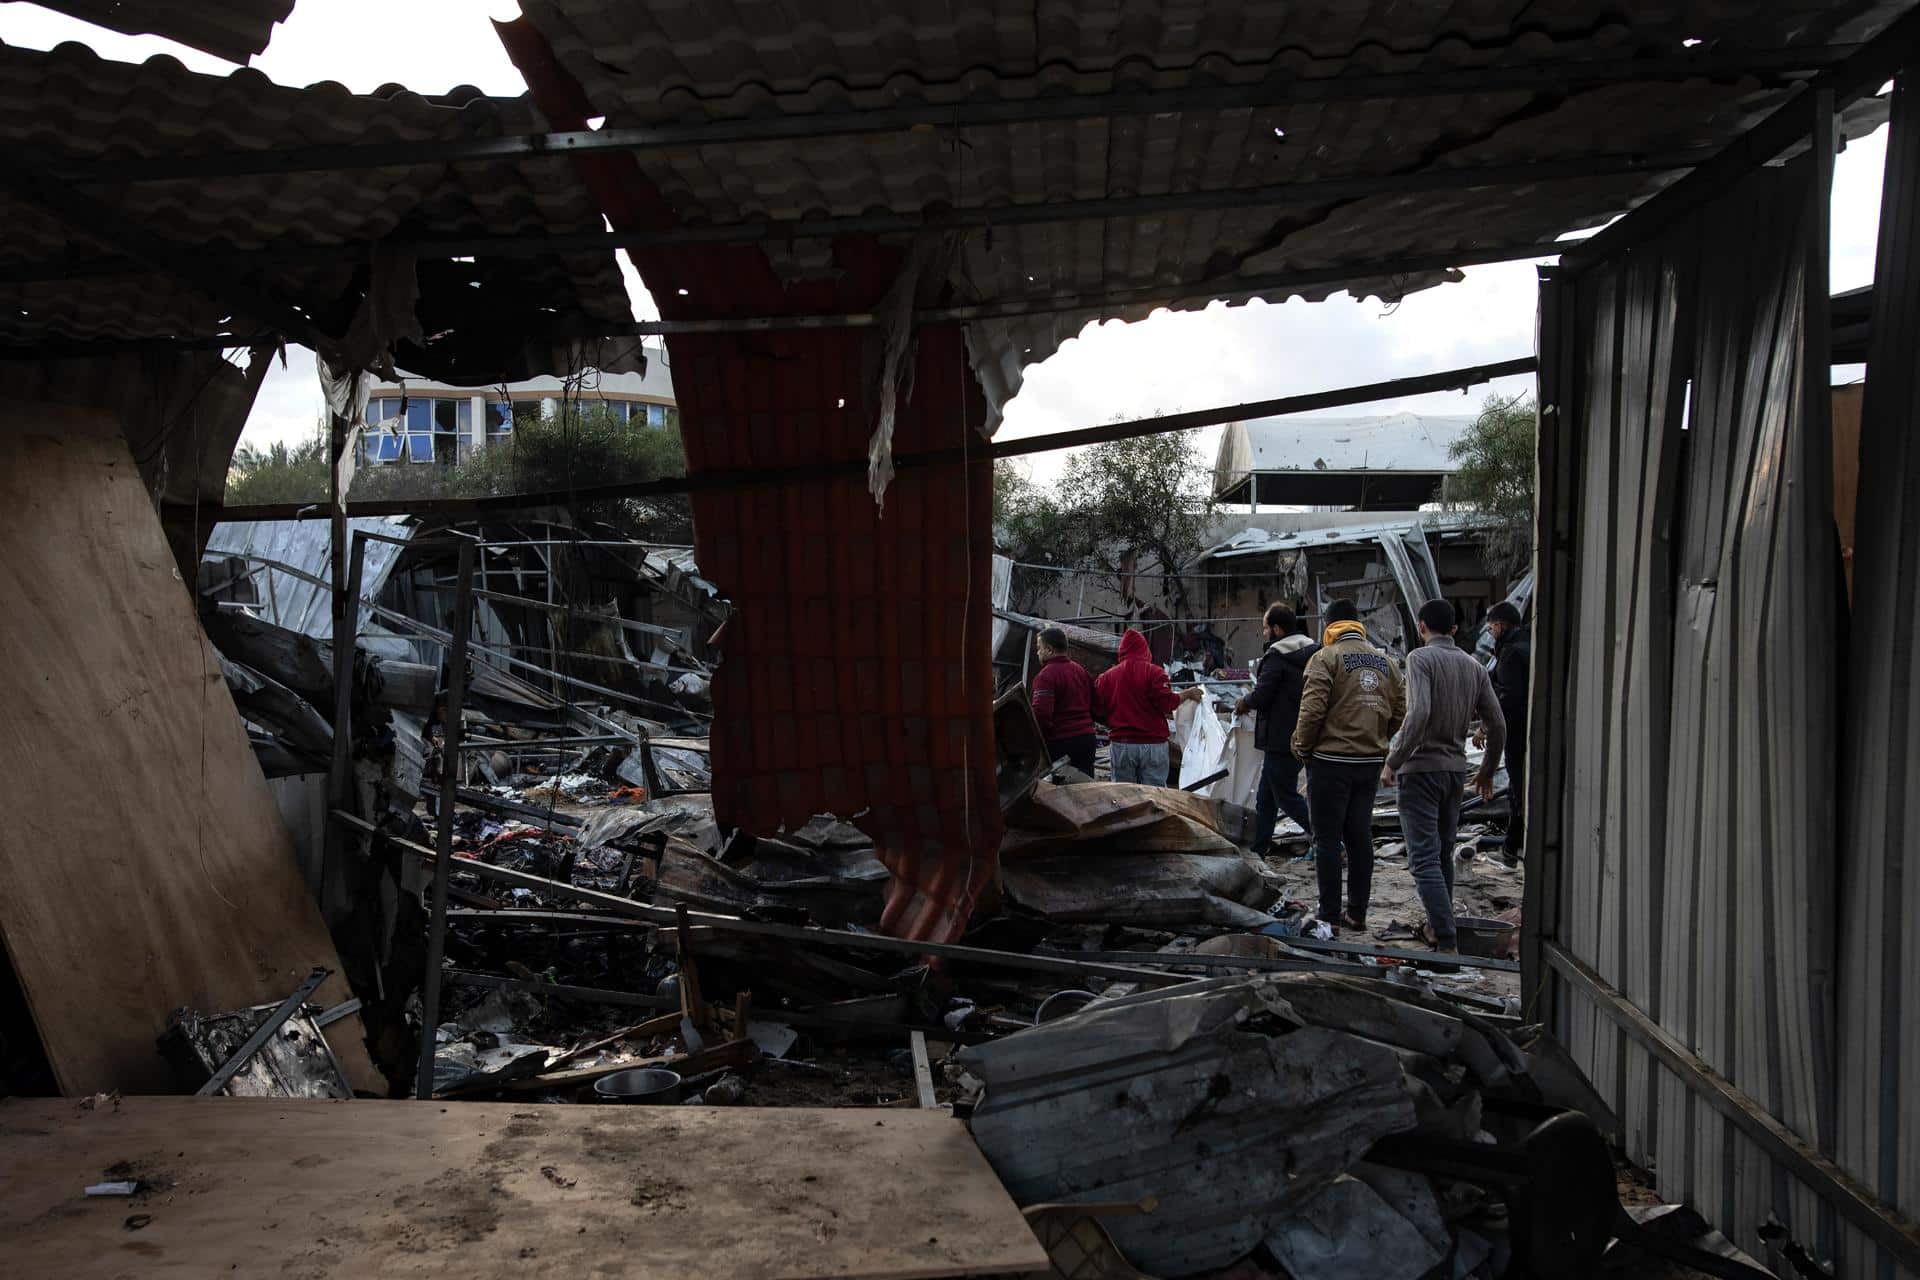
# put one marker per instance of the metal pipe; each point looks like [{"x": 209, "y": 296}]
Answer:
[{"x": 450, "y": 726}]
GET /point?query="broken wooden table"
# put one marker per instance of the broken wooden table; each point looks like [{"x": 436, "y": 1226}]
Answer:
[{"x": 270, "y": 1187}]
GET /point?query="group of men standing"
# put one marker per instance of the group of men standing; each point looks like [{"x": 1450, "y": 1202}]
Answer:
[{"x": 1345, "y": 711}]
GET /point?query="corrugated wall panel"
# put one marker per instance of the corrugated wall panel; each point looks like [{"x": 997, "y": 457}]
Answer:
[
  {"x": 1697, "y": 868},
  {"x": 1879, "y": 1128}
]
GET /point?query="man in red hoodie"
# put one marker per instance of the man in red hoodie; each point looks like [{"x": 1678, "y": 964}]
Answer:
[
  {"x": 1135, "y": 699},
  {"x": 1063, "y": 701}
]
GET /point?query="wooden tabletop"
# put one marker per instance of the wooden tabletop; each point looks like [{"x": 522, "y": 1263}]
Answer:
[{"x": 313, "y": 1188}]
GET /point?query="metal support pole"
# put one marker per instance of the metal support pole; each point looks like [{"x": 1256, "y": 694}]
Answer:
[
  {"x": 346, "y": 638},
  {"x": 443, "y": 843}
]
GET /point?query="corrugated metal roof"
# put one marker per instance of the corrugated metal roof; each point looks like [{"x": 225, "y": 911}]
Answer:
[
  {"x": 1387, "y": 442},
  {"x": 306, "y": 545},
  {"x": 230, "y": 29},
  {"x": 69, "y": 104},
  {"x": 674, "y": 60},
  {"x": 1258, "y": 542}
]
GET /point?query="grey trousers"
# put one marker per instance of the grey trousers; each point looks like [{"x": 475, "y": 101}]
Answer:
[
  {"x": 1139, "y": 762},
  {"x": 1429, "y": 819}
]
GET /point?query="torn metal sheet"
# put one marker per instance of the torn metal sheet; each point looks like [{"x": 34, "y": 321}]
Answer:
[
  {"x": 1346, "y": 1229},
  {"x": 1141, "y": 888},
  {"x": 1214, "y": 1098},
  {"x": 295, "y": 600},
  {"x": 294, "y": 1062}
]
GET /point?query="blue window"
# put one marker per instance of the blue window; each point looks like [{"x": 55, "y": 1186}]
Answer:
[
  {"x": 656, "y": 415},
  {"x": 499, "y": 421},
  {"x": 420, "y": 430}
]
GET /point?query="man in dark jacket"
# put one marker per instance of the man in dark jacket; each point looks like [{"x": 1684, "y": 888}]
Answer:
[
  {"x": 1063, "y": 701},
  {"x": 1135, "y": 698},
  {"x": 1275, "y": 702},
  {"x": 1512, "y": 667}
]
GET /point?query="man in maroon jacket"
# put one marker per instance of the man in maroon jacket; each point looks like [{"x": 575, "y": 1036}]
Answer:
[
  {"x": 1135, "y": 698},
  {"x": 1063, "y": 701}
]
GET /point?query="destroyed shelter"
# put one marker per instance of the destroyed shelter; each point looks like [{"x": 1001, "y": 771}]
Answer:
[{"x": 860, "y": 229}]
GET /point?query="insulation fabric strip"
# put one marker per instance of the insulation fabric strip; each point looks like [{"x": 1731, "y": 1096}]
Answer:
[
  {"x": 1698, "y": 872},
  {"x": 857, "y": 676}
]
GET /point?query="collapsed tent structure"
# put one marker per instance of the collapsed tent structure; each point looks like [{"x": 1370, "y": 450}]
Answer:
[{"x": 861, "y": 226}]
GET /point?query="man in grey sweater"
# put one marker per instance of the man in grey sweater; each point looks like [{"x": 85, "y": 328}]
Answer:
[{"x": 1446, "y": 692}]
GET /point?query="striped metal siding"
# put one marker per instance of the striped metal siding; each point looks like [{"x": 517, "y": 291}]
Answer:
[
  {"x": 1878, "y": 1137},
  {"x": 1697, "y": 865}
]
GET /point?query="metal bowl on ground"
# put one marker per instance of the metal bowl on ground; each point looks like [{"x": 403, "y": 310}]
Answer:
[
  {"x": 1482, "y": 936},
  {"x": 653, "y": 1086}
]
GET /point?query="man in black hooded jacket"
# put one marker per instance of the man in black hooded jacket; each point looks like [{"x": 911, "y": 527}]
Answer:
[{"x": 1275, "y": 702}]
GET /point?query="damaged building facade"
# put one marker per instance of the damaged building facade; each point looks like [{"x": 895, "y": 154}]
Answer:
[{"x": 388, "y": 829}]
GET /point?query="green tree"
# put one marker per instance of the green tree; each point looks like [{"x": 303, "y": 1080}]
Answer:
[
  {"x": 1119, "y": 508},
  {"x": 1496, "y": 478},
  {"x": 281, "y": 472},
  {"x": 584, "y": 445}
]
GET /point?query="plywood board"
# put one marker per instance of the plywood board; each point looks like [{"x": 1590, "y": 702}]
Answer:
[
  {"x": 311, "y": 1188},
  {"x": 144, "y": 861}
]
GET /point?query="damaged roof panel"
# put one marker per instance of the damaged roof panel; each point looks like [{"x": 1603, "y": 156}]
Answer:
[
  {"x": 59, "y": 283},
  {"x": 666, "y": 61}
]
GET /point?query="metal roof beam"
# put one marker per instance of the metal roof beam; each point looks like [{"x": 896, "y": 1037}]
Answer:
[
  {"x": 733, "y": 480},
  {"x": 1310, "y": 192},
  {"x": 1270, "y": 93},
  {"x": 1225, "y": 288},
  {"x": 1861, "y": 73}
]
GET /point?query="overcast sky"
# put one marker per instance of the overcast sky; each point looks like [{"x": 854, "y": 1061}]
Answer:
[{"x": 1169, "y": 362}]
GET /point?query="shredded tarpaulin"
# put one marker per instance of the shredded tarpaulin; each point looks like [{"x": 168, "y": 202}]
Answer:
[
  {"x": 387, "y": 315},
  {"x": 929, "y": 261},
  {"x": 346, "y": 397}
]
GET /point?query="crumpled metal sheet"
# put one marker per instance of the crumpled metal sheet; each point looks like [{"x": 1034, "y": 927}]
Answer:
[
  {"x": 1213, "y": 1097},
  {"x": 1345, "y": 1230}
]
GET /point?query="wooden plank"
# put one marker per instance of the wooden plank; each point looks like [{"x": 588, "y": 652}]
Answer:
[
  {"x": 314, "y": 1188},
  {"x": 146, "y": 864},
  {"x": 922, "y": 1070}
]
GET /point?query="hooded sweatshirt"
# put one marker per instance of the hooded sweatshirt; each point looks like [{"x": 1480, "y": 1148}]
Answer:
[
  {"x": 1275, "y": 700},
  {"x": 1134, "y": 696}
]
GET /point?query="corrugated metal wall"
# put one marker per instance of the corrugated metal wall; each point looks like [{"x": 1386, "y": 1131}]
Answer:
[
  {"x": 1700, "y": 667},
  {"x": 1878, "y": 1126}
]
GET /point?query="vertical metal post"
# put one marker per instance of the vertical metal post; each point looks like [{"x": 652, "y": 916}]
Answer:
[
  {"x": 450, "y": 726},
  {"x": 1555, "y": 588},
  {"x": 346, "y": 637}
]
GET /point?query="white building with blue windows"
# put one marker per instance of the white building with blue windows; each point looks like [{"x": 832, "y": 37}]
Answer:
[{"x": 431, "y": 422}]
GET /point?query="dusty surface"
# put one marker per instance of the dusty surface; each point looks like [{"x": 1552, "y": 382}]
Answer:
[
  {"x": 1483, "y": 886},
  {"x": 308, "y": 1188}
]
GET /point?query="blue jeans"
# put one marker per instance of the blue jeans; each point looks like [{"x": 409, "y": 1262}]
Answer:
[
  {"x": 1429, "y": 819},
  {"x": 1139, "y": 762},
  {"x": 1279, "y": 791}
]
